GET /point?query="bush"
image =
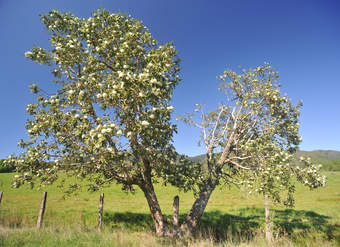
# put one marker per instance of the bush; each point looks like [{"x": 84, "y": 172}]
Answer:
[{"x": 6, "y": 167}]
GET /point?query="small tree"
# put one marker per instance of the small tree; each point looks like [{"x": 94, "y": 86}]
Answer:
[
  {"x": 109, "y": 117},
  {"x": 276, "y": 181},
  {"x": 249, "y": 141}
]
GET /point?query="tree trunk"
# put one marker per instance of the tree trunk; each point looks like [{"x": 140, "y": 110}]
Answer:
[
  {"x": 267, "y": 220},
  {"x": 156, "y": 212},
  {"x": 197, "y": 210}
]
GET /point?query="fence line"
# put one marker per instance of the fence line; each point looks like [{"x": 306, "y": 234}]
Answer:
[{"x": 175, "y": 214}]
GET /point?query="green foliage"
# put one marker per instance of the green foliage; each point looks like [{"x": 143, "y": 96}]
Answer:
[
  {"x": 109, "y": 119},
  {"x": 320, "y": 154},
  {"x": 330, "y": 160},
  {"x": 328, "y": 165},
  {"x": 6, "y": 166},
  {"x": 251, "y": 138}
]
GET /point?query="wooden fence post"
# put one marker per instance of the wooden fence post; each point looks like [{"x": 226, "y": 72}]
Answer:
[
  {"x": 175, "y": 215},
  {"x": 42, "y": 211},
  {"x": 269, "y": 234},
  {"x": 0, "y": 196},
  {"x": 100, "y": 216}
]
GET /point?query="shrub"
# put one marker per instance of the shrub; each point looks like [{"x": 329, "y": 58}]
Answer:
[{"x": 6, "y": 167}]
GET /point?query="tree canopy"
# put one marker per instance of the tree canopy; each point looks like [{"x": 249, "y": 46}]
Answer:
[
  {"x": 250, "y": 141},
  {"x": 109, "y": 119}
]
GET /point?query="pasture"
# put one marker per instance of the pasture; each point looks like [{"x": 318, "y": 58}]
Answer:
[{"x": 232, "y": 217}]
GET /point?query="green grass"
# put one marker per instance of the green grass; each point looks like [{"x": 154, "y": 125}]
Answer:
[{"x": 232, "y": 217}]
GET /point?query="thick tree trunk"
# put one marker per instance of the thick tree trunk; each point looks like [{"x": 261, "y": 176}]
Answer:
[
  {"x": 156, "y": 212},
  {"x": 196, "y": 211}
]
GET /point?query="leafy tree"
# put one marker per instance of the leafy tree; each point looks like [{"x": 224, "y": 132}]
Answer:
[
  {"x": 109, "y": 118},
  {"x": 249, "y": 141},
  {"x": 278, "y": 183}
]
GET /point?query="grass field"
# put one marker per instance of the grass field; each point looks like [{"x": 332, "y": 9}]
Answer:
[{"x": 231, "y": 218}]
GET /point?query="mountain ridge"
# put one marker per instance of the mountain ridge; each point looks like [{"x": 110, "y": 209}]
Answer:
[{"x": 330, "y": 159}]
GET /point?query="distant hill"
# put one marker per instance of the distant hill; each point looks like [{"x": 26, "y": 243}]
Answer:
[
  {"x": 330, "y": 159},
  {"x": 320, "y": 154}
]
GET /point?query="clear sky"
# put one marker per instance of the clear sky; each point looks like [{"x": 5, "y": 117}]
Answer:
[{"x": 299, "y": 38}]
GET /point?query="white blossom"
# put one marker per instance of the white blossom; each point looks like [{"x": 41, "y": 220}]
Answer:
[
  {"x": 145, "y": 123},
  {"x": 120, "y": 73},
  {"x": 28, "y": 53}
]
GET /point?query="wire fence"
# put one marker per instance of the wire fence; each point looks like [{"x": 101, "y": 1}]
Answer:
[
  {"x": 42, "y": 209},
  {"x": 32, "y": 213}
]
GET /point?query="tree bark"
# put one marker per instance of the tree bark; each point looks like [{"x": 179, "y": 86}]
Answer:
[
  {"x": 156, "y": 212},
  {"x": 197, "y": 210},
  {"x": 267, "y": 220}
]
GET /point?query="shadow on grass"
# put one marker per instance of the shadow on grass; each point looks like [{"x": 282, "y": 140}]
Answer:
[{"x": 244, "y": 224}]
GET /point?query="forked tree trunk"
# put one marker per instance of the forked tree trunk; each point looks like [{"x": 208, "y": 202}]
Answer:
[
  {"x": 156, "y": 212},
  {"x": 197, "y": 210}
]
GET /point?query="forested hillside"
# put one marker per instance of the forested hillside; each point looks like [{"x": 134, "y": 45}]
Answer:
[{"x": 329, "y": 159}]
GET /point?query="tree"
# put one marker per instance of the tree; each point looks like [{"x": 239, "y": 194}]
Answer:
[
  {"x": 249, "y": 141},
  {"x": 278, "y": 183},
  {"x": 109, "y": 119}
]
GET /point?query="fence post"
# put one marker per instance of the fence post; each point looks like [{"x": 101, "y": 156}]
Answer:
[
  {"x": 100, "y": 216},
  {"x": 175, "y": 215},
  {"x": 42, "y": 211},
  {"x": 0, "y": 196},
  {"x": 269, "y": 234}
]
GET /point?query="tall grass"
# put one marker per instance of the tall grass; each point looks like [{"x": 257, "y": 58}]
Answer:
[{"x": 50, "y": 237}]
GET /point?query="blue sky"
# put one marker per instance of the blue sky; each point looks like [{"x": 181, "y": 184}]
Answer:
[{"x": 299, "y": 38}]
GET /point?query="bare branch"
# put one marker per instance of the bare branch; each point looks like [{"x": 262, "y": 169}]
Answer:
[
  {"x": 230, "y": 140},
  {"x": 204, "y": 129},
  {"x": 237, "y": 164},
  {"x": 241, "y": 158},
  {"x": 229, "y": 181}
]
